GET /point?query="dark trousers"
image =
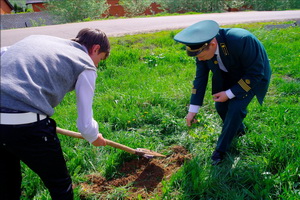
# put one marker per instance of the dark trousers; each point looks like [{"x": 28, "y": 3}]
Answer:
[
  {"x": 232, "y": 113},
  {"x": 38, "y": 146}
]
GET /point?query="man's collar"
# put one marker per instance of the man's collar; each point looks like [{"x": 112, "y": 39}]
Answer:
[{"x": 217, "y": 50}]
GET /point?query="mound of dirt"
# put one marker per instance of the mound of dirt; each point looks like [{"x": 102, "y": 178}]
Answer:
[{"x": 142, "y": 176}]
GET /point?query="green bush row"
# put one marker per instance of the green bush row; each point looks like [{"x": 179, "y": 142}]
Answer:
[
  {"x": 77, "y": 10},
  {"x": 174, "y": 6}
]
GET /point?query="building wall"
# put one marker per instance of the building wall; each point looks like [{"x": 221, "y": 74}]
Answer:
[
  {"x": 117, "y": 10},
  {"x": 5, "y": 9},
  {"x": 154, "y": 8},
  {"x": 24, "y": 20},
  {"x": 38, "y": 7}
]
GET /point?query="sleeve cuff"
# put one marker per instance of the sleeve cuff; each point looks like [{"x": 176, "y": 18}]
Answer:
[
  {"x": 89, "y": 131},
  {"x": 229, "y": 94},
  {"x": 194, "y": 108}
]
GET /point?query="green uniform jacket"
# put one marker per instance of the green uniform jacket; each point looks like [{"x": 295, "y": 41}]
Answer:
[{"x": 246, "y": 61}]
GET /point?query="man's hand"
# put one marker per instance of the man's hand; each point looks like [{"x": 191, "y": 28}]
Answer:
[
  {"x": 100, "y": 141},
  {"x": 190, "y": 119},
  {"x": 220, "y": 97}
]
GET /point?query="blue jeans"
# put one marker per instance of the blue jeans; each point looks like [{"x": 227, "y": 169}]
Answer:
[{"x": 38, "y": 146}]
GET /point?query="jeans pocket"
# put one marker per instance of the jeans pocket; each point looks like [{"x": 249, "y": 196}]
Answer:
[{"x": 43, "y": 132}]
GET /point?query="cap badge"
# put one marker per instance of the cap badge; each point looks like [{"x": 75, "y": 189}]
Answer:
[{"x": 199, "y": 49}]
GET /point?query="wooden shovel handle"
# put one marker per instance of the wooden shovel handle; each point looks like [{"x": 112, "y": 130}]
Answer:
[
  {"x": 120, "y": 146},
  {"x": 68, "y": 133},
  {"x": 108, "y": 142}
]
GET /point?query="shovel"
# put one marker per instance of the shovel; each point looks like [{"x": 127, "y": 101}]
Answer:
[{"x": 139, "y": 151}]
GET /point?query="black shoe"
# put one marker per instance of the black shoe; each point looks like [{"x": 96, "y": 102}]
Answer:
[
  {"x": 241, "y": 133},
  {"x": 217, "y": 157}
]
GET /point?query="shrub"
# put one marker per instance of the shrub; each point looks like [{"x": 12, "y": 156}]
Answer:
[
  {"x": 181, "y": 6},
  {"x": 65, "y": 11},
  {"x": 135, "y": 7}
]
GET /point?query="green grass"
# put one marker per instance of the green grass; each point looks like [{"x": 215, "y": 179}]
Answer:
[{"x": 141, "y": 100}]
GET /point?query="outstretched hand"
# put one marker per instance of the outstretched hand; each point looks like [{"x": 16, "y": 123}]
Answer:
[
  {"x": 190, "y": 119},
  {"x": 220, "y": 97}
]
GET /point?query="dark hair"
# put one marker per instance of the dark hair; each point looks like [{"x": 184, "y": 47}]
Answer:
[{"x": 89, "y": 37}]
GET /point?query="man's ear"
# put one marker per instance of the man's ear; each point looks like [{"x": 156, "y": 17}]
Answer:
[
  {"x": 95, "y": 49},
  {"x": 213, "y": 42}
]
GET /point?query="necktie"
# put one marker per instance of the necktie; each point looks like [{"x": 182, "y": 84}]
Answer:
[{"x": 217, "y": 78}]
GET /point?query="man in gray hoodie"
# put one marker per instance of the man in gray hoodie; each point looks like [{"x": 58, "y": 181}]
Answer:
[{"x": 36, "y": 73}]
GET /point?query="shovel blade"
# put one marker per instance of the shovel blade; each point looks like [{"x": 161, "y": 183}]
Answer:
[{"x": 148, "y": 153}]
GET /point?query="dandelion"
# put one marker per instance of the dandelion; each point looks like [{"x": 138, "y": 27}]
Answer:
[{"x": 128, "y": 122}]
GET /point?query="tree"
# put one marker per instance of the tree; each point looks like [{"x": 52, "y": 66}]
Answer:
[
  {"x": 65, "y": 11},
  {"x": 18, "y": 9},
  {"x": 182, "y": 6},
  {"x": 135, "y": 7}
]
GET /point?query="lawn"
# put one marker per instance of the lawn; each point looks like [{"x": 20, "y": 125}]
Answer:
[{"x": 141, "y": 100}]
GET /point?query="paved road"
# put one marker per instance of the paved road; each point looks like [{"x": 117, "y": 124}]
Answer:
[{"x": 119, "y": 27}]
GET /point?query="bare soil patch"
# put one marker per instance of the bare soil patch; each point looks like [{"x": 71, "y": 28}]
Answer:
[{"x": 142, "y": 176}]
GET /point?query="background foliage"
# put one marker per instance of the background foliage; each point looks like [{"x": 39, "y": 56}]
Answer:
[
  {"x": 66, "y": 11},
  {"x": 135, "y": 7},
  {"x": 181, "y": 6},
  {"x": 77, "y": 10}
]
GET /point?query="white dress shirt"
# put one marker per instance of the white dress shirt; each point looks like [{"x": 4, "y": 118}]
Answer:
[{"x": 84, "y": 88}]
